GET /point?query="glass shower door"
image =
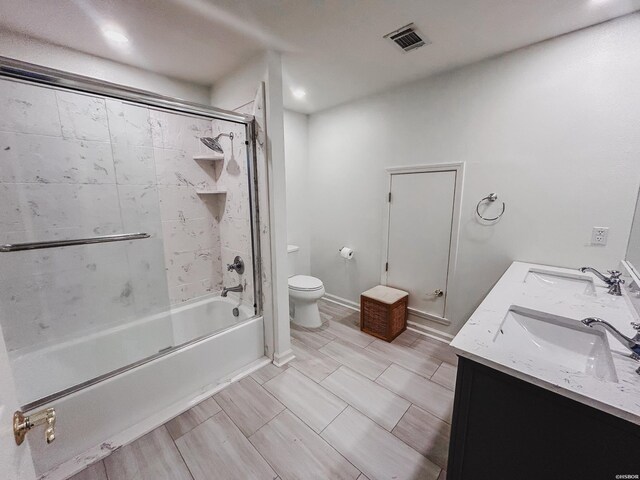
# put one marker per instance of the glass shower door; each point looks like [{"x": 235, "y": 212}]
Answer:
[
  {"x": 76, "y": 166},
  {"x": 81, "y": 166}
]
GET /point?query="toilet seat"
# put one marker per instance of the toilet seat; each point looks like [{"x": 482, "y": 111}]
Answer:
[{"x": 305, "y": 283}]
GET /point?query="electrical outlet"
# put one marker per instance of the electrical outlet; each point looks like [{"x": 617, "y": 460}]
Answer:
[{"x": 599, "y": 235}]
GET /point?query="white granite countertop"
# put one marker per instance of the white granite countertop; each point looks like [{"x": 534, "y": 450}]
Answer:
[{"x": 476, "y": 339}]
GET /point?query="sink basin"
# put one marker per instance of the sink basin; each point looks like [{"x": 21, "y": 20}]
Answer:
[
  {"x": 567, "y": 282},
  {"x": 553, "y": 340}
]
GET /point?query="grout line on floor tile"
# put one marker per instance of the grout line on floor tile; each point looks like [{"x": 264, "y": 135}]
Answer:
[
  {"x": 405, "y": 412},
  {"x": 434, "y": 372},
  {"x": 366, "y": 415},
  {"x": 194, "y": 406},
  {"x": 312, "y": 431},
  {"x": 347, "y": 405},
  {"x": 273, "y": 467},
  {"x": 412, "y": 347},
  {"x": 399, "y": 395},
  {"x": 430, "y": 357},
  {"x": 284, "y": 370},
  {"x": 302, "y": 420},
  {"x": 418, "y": 337},
  {"x": 268, "y": 393},
  {"x": 327, "y": 442},
  {"x": 343, "y": 340},
  {"x": 275, "y": 376},
  {"x": 277, "y": 415},
  {"x": 388, "y": 389},
  {"x": 179, "y": 452},
  {"x": 381, "y": 373},
  {"x": 398, "y": 422},
  {"x": 313, "y": 380}
]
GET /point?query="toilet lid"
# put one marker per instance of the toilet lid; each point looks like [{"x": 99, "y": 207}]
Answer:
[{"x": 304, "y": 282}]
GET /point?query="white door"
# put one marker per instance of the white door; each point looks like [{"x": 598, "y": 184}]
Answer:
[{"x": 420, "y": 223}]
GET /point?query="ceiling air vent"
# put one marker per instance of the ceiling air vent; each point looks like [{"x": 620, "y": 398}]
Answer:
[{"x": 407, "y": 38}]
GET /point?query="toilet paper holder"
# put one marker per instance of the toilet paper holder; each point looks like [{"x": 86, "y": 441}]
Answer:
[{"x": 346, "y": 253}]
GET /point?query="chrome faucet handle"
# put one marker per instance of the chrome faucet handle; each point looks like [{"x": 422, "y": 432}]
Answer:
[
  {"x": 615, "y": 274},
  {"x": 237, "y": 265},
  {"x": 614, "y": 282},
  {"x": 635, "y": 325}
]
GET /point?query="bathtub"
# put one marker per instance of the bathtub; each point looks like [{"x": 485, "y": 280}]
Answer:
[
  {"x": 59, "y": 366},
  {"x": 121, "y": 401}
]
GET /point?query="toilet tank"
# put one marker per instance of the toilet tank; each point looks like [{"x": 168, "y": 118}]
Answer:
[{"x": 292, "y": 259}]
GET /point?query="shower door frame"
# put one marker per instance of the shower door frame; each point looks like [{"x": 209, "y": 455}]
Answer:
[{"x": 29, "y": 73}]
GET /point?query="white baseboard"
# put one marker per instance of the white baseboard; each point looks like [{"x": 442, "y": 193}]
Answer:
[
  {"x": 414, "y": 326},
  {"x": 342, "y": 301},
  {"x": 429, "y": 317},
  {"x": 280, "y": 359},
  {"x": 97, "y": 453},
  {"x": 429, "y": 332}
]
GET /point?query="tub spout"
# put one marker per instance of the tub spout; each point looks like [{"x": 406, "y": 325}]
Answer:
[{"x": 237, "y": 288}]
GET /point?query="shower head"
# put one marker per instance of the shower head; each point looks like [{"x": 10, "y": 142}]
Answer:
[{"x": 213, "y": 143}]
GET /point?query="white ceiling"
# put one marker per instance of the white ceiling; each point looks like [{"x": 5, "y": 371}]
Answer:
[{"x": 332, "y": 48}]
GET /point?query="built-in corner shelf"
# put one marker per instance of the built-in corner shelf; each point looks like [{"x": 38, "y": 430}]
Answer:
[
  {"x": 215, "y": 191},
  {"x": 209, "y": 156}
]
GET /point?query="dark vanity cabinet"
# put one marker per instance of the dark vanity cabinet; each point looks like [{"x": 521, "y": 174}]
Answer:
[{"x": 507, "y": 429}]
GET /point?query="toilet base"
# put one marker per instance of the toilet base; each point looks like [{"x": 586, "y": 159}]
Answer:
[
  {"x": 305, "y": 315},
  {"x": 303, "y": 308}
]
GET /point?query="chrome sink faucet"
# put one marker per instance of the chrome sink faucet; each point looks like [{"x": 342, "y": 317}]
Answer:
[
  {"x": 614, "y": 281},
  {"x": 237, "y": 288},
  {"x": 633, "y": 344}
]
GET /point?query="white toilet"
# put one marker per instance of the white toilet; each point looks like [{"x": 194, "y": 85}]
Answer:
[{"x": 304, "y": 293}]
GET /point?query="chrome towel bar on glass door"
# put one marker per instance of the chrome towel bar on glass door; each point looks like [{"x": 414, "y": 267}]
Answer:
[{"x": 16, "y": 247}]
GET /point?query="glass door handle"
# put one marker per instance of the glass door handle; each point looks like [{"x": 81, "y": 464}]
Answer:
[{"x": 438, "y": 293}]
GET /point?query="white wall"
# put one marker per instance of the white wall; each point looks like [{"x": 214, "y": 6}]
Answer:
[
  {"x": 236, "y": 91},
  {"x": 30, "y": 50},
  {"x": 277, "y": 208},
  {"x": 238, "y": 88},
  {"x": 552, "y": 128},
  {"x": 296, "y": 156}
]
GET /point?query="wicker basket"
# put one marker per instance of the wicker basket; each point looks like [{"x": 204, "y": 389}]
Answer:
[{"x": 383, "y": 312}]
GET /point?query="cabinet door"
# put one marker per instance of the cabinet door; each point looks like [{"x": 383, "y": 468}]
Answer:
[{"x": 504, "y": 428}]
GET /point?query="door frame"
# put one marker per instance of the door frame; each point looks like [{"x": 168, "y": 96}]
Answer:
[{"x": 458, "y": 168}]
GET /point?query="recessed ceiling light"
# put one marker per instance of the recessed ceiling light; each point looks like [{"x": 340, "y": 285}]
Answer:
[
  {"x": 115, "y": 36},
  {"x": 299, "y": 93}
]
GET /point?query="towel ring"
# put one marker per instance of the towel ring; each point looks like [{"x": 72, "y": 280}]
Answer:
[{"x": 492, "y": 197}]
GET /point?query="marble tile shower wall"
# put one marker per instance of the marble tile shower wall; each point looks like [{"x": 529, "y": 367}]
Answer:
[
  {"x": 62, "y": 177},
  {"x": 75, "y": 165},
  {"x": 190, "y": 221},
  {"x": 235, "y": 221}
]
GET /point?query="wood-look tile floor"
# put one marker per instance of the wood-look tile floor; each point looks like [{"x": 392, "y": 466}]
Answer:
[{"x": 348, "y": 407}]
